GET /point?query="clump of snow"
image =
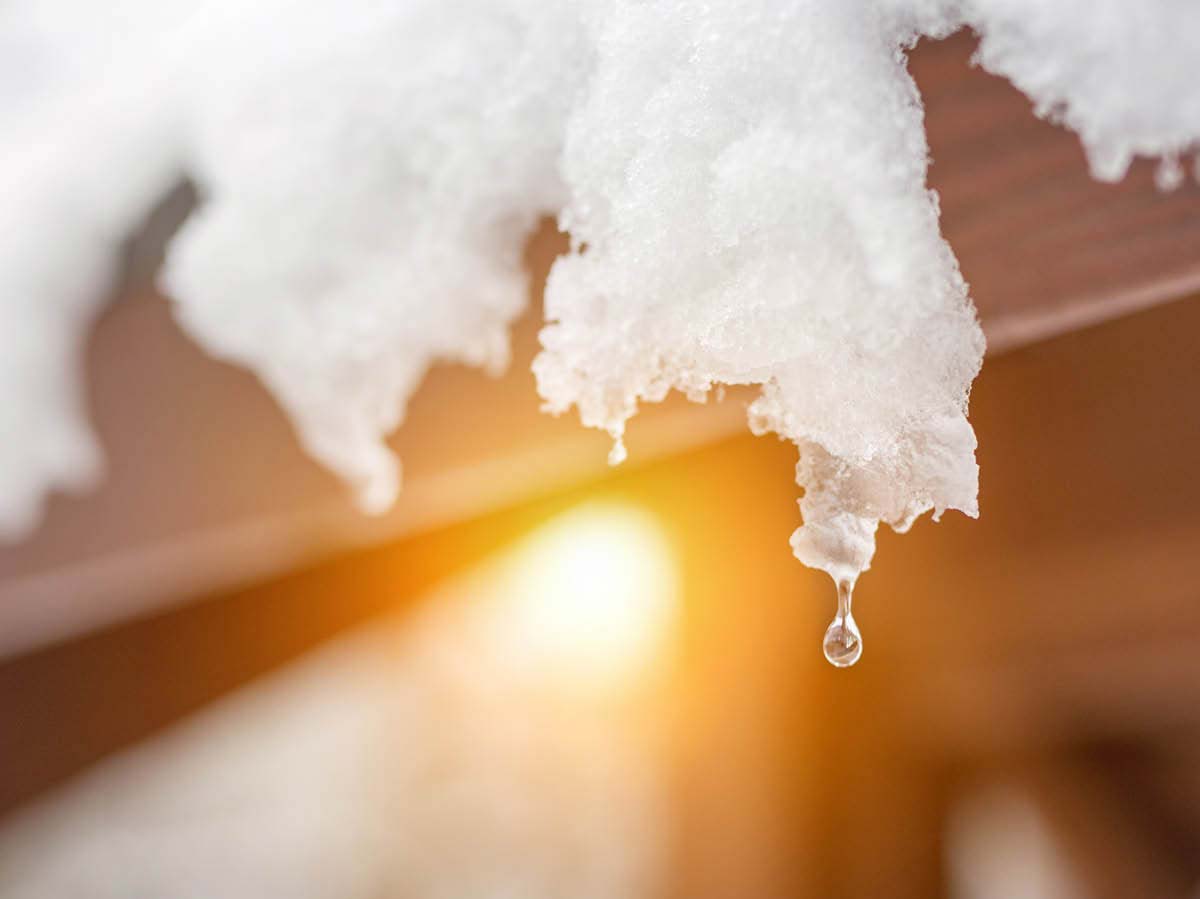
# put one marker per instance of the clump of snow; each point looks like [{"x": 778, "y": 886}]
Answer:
[
  {"x": 744, "y": 183},
  {"x": 1124, "y": 76},
  {"x": 369, "y": 184},
  {"x": 745, "y": 213},
  {"x": 368, "y": 173},
  {"x": 84, "y": 152}
]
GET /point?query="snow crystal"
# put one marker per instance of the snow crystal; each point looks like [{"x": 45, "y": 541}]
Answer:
[{"x": 743, "y": 181}]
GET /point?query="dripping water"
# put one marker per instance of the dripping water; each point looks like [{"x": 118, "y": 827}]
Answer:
[{"x": 843, "y": 642}]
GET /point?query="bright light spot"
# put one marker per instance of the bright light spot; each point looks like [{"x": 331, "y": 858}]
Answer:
[{"x": 590, "y": 600}]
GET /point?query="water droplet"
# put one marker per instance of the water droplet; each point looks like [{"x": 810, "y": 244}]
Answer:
[{"x": 843, "y": 642}]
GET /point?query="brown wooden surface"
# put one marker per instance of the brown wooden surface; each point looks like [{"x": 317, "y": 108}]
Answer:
[{"x": 1045, "y": 248}]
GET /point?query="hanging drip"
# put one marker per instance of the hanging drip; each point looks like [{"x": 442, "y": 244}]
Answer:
[{"x": 843, "y": 642}]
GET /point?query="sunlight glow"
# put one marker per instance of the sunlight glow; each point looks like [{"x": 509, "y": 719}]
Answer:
[{"x": 591, "y": 599}]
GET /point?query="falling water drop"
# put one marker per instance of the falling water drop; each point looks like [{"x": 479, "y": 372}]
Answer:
[
  {"x": 843, "y": 642},
  {"x": 617, "y": 454}
]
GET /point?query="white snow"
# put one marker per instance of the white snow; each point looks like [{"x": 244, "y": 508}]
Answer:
[
  {"x": 369, "y": 214},
  {"x": 757, "y": 215},
  {"x": 744, "y": 183},
  {"x": 1123, "y": 76},
  {"x": 83, "y": 155}
]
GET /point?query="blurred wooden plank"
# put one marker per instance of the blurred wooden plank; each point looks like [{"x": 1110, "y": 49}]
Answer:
[{"x": 1045, "y": 248}]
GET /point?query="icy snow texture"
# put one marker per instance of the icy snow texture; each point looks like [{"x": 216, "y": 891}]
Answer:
[
  {"x": 757, "y": 215},
  {"x": 744, "y": 183}
]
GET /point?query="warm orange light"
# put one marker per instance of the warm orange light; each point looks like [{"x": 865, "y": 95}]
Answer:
[{"x": 589, "y": 600}]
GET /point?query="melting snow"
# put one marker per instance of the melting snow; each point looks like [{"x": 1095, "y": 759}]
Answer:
[{"x": 744, "y": 184}]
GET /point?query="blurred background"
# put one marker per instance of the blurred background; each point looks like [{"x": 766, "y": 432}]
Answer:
[{"x": 540, "y": 677}]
